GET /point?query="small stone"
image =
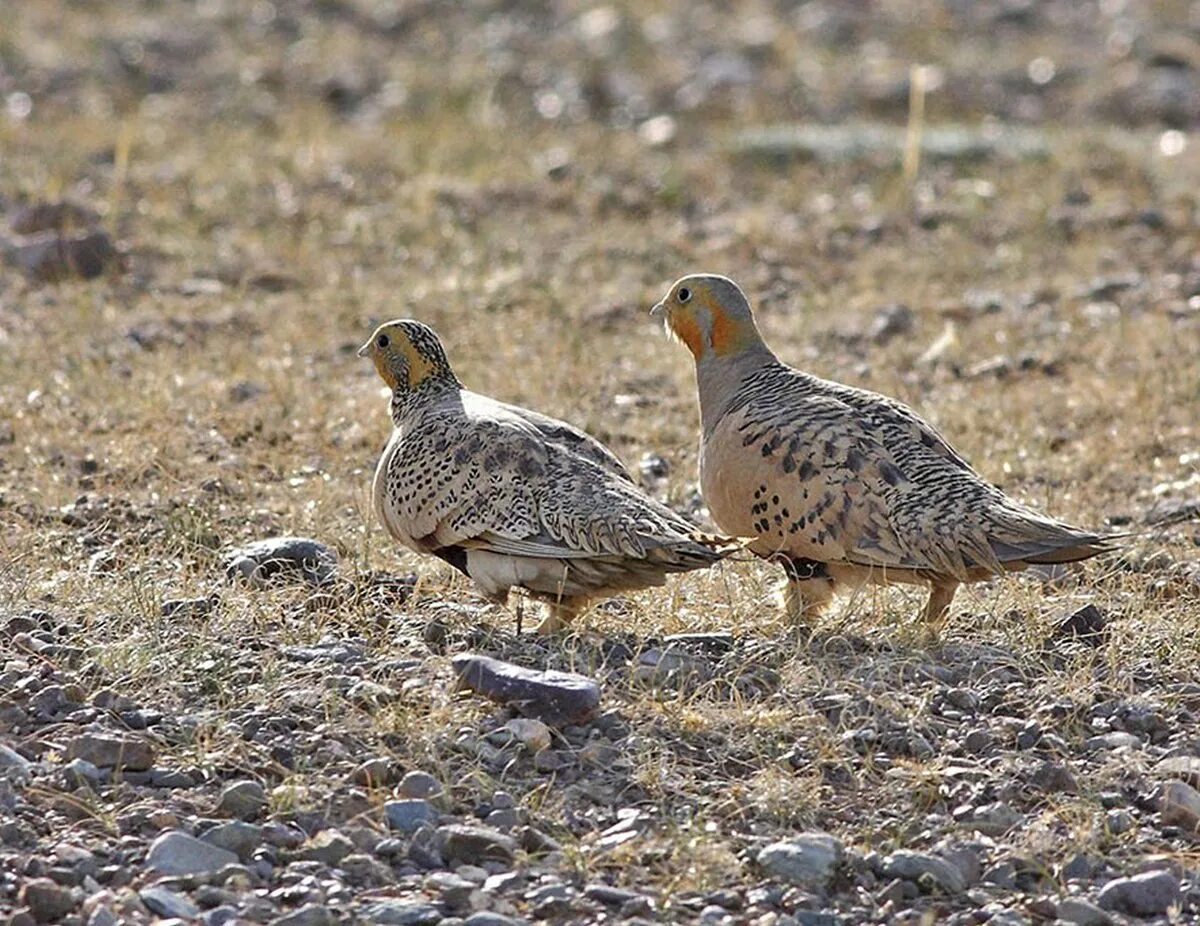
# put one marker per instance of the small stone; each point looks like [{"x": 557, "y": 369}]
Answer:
[
  {"x": 263, "y": 560},
  {"x": 177, "y": 853},
  {"x": 1180, "y": 806},
  {"x": 237, "y": 836},
  {"x": 1185, "y": 768},
  {"x": 1119, "y": 821},
  {"x": 1115, "y": 740},
  {"x": 488, "y": 918},
  {"x": 164, "y": 902},
  {"x": 420, "y": 785},
  {"x": 11, "y": 759},
  {"x": 328, "y": 847},
  {"x": 373, "y": 773},
  {"x": 402, "y": 913},
  {"x": 308, "y": 915},
  {"x": 532, "y": 733},
  {"x": 890, "y": 322},
  {"x": 456, "y": 891},
  {"x": 1147, "y": 894},
  {"x": 1080, "y": 912},
  {"x": 363, "y": 871},
  {"x": 409, "y": 816},
  {"x": 914, "y": 866},
  {"x": 366, "y": 693},
  {"x": 609, "y": 895},
  {"x": 555, "y": 697},
  {"x": 244, "y": 799},
  {"x": 1055, "y": 778},
  {"x": 464, "y": 843},
  {"x": 1087, "y": 625},
  {"x": 189, "y": 608},
  {"x": 109, "y": 751},
  {"x": 47, "y": 901},
  {"x": 809, "y": 860}
]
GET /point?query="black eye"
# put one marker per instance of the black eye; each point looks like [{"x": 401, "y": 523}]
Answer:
[
  {"x": 382, "y": 340},
  {"x": 684, "y": 294}
]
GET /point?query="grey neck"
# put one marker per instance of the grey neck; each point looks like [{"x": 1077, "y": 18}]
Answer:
[{"x": 718, "y": 380}]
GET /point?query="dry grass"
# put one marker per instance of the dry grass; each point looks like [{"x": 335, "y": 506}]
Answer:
[{"x": 127, "y": 400}]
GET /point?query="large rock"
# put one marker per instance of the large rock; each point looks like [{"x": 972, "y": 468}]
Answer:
[
  {"x": 109, "y": 750},
  {"x": 555, "y": 697},
  {"x": 262, "y": 560},
  {"x": 809, "y": 860},
  {"x": 915, "y": 866},
  {"x": 1147, "y": 894},
  {"x": 177, "y": 853}
]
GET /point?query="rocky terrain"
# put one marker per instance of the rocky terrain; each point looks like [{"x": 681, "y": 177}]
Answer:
[{"x": 225, "y": 697}]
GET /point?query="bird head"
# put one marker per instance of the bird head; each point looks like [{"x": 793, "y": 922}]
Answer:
[
  {"x": 710, "y": 315},
  {"x": 407, "y": 355}
]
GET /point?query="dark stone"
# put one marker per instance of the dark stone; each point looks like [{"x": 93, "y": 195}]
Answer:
[{"x": 555, "y": 697}]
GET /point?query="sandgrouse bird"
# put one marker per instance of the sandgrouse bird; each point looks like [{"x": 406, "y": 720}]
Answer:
[
  {"x": 512, "y": 498},
  {"x": 840, "y": 485}
]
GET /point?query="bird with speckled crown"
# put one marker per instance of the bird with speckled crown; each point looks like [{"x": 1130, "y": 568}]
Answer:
[
  {"x": 839, "y": 485},
  {"x": 512, "y": 498}
]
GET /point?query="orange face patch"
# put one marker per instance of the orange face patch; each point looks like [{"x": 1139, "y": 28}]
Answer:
[
  {"x": 688, "y": 331},
  {"x": 726, "y": 332}
]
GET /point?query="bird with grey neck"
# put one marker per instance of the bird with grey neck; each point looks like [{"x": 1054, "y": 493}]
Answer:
[{"x": 839, "y": 485}]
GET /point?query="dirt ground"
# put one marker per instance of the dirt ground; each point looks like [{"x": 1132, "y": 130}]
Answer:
[{"x": 251, "y": 187}]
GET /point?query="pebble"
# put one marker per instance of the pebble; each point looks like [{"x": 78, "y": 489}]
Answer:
[
  {"x": 488, "y": 918},
  {"x": 410, "y": 815},
  {"x": 1180, "y": 805},
  {"x": 48, "y": 902},
  {"x": 915, "y": 866},
  {"x": 11, "y": 759},
  {"x": 1115, "y": 740},
  {"x": 237, "y": 836},
  {"x": 308, "y": 915},
  {"x": 243, "y": 799},
  {"x": 373, "y": 773},
  {"x": 1185, "y": 768},
  {"x": 1080, "y": 912},
  {"x": 532, "y": 733},
  {"x": 1147, "y": 894},
  {"x": 465, "y": 843},
  {"x": 402, "y": 913},
  {"x": 165, "y": 902},
  {"x": 111, "y": 751},
  {"x": 263, "y": 560},
  {"x": 1119, "y": 821},
  {"x": 808, "y": 860},
  {"x": 417, "y": 784},
  {"x": 328, "y": 847},
  {"x": 555, "y": 697},
  {"x": 177, "y": 853}
]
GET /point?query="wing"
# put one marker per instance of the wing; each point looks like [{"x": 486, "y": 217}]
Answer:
[
  {"x": 551, "y": 430},
  {"x": 498, "y": 485},
  {"x": 870, "y": 484}
]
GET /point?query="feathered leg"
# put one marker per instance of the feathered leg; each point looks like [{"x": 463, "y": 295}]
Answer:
[
  {"x": 941, "y": 593},
  {"x": 808, "y": 590},
  {"x": 560, "y": 613}
]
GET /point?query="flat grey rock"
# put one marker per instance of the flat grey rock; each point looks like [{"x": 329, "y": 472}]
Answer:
[
  {"x": 166, "y": 902},
  {"x": 301, "y": 557},
  {"x": 912, "y": 866},
  {"x": 1147, "y": 894},
  {"x": 177, "y": 853},
  {"x": 555, "y": 697},
  {"x": 809, "y": 860}
]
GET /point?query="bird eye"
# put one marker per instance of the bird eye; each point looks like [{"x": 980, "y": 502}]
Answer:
[
  {"x": 684, "y": 294},
  {"x": 382, "y": 340}
]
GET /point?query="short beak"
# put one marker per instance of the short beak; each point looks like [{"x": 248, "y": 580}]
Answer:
[
  {"x": 365, "y": 349},
  {"x": 659, "y": 311}
]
